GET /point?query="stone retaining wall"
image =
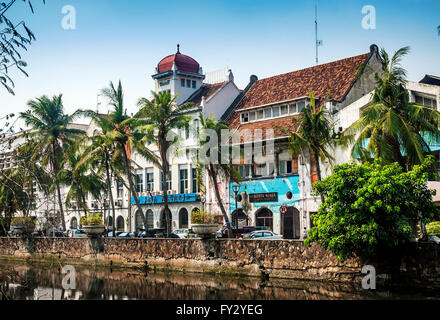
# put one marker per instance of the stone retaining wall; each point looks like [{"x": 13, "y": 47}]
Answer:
[{"x": 280, "y": 259}]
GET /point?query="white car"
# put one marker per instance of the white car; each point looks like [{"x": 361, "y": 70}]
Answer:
[
  {"x": 76, "y": 233},
  {"x": 264, "y": 235},
  {"x": 185, "y": 233}
]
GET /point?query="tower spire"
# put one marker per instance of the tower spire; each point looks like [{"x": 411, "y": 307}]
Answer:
[{"x": 178, "y": 48}]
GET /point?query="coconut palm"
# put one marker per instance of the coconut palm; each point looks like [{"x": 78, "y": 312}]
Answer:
[
  {"x": 51, "y": 135},
  {"x": 99, "y": 155},
  {"x": 123, "y": 131},
  {"x": 157, "y": 118},
  {"x": 313, "y": 135},
  {"x": 215, "y": 169},
  {"x": 79, "y": 178},
  {"x": 390, "y": 127}
]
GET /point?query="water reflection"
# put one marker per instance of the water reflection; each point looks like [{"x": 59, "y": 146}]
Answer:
[{"x": 38, "y": 283}]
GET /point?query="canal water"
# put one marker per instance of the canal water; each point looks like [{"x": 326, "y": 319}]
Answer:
[{"x": 25, "y": 282}]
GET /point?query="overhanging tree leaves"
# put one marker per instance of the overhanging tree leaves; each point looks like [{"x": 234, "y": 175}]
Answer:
[
  {"x": 14, "y": 38},
  {"x": 369, "y": 208}
]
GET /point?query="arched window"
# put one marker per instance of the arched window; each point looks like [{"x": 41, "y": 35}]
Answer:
[
  {"x": 183, "y": 218},
  {"x": 120, "y": 223},
  {"x": 73, "y": 223},
  {"x": 139, "y": 219},
  {"x": 163, "y": 219},
  {"x": 109, "y": 221},
  {"x": 264, "y": 218},
  {"x": 239, "y": 218},
  {"x": 150, "y": 219}
]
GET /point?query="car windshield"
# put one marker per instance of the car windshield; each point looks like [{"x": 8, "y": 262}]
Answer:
[{"x": 80, "y": 232}]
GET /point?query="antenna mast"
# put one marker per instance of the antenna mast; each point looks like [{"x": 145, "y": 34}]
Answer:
[{"x": 317, "y": 42}]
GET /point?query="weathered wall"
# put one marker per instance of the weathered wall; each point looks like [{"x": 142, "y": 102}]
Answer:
[{"x": 282, "y": 259}]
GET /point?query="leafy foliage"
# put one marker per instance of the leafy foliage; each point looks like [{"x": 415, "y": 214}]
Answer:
[
  {"x": 392, "y": 128},
  {"x": 202, "y": 217},
  {"x": 433, "y": 228},
  {"x": 25, "y": 220},
  {"x": 14, "y": 38},
  {"x": 92, "y": 219},
  {"x": 371, "y": 207}
]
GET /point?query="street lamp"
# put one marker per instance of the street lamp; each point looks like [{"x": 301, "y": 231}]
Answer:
[{"x": 236, "y": 188}]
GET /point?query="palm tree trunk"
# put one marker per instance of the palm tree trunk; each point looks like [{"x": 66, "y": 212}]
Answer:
[
  {"x": 213, "y": 175},
  {"x": 55, "y": 170},
  {"x": 84, "y": 204},
  {"x": 163, "y": 147},
  {"x": 318, "y": 172},
  {"x": 110, "y": 194},
  {"x": 130, "y": 182}
]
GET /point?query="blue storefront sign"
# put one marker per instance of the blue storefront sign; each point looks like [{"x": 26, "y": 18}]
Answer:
[
  {"x": 172, "y": 198},
  {"x": 271, "y": 193}
]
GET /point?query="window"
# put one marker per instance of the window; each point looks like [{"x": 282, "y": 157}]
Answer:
[
  {"x": 168, "y": 180},
  {"x": 267, "y": 113},
  {"x": 276, "y": 112},
  {"x": 195, "y": 186},
  {"x": 284, "y": 110},
  {"x": 432, "y": 103},
  {"x": 183, "y": 178},
  {"x": 244, "y": 171},
  {"x": 292, "y": 108},
  {"x": 193, "y": 84},
  {"x": 119, "y": 189},
  {"x": 260, "y": 114},
  {"x": 187, "y": 131},
  {"x": 252, "y": 116},
  {"x": 139, "y": 180},
  {"x": 182, "y": 82},
  {"x": 196, "y": 125},
  {"x": 149, "y": 179},
  {"x": 244, "y": 117},
  {"x": 188, "y": 83},
  {"x": 301, "y": 105},
  {"x": 286, "y": 167}
]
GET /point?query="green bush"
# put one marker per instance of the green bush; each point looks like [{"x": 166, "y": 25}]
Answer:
[
  {"x": 433, "y": 228},
  {"x": 202, "y": 217},
  {"x": 23, "y": 220},
  {"x": 92, "y": 219},
  {"x": 369, "y": 208}
]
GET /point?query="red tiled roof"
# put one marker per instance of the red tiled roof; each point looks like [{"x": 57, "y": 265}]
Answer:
[
  {"x": 207, "y": 90},
  {"x": 331, "y": 79}
]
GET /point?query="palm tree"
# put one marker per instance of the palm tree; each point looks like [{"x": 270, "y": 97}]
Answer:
[
  {"x": 157, "y": 118},
  {"x": 313, "y": 135},
  {"x": 79, "y": 178},
  {"x": 123, "y": 131},
  {"x": 99, "y": 154},
  {"x": 51, "y": 135},
  {"x": 216, "y": 169},
  {"x": 392, "y": 128}
]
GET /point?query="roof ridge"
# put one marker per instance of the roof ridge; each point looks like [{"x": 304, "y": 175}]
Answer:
[{"x": 319, "y": 65}]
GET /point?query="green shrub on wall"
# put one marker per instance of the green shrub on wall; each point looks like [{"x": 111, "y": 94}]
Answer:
[
  {"x": 92, "y": 219},
  {"x": 369, "y": 208},
  {"x": 202, "y": 217},
  {"x": 433, "y": 228}
]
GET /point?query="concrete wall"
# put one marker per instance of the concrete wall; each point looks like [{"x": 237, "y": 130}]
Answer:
[{"x": 278, "y": 259}]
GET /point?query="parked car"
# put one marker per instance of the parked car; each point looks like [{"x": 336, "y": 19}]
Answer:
[
  {"x": 76, "y": 233},
  {"x": 151, "y": 233},
  {"x": 56, "y": 234},
  {"x": 164, "y": 235},
  {"x": 127, "y": 235},
  {"x": 185, "y": 233},
  {"x": 237, "y": 232},
  {"x": 264, "y": 235},
  {"x": 38, "y": 233},
  {"x": 434, "y": 239},
  {"x": 117, "y": 233}
]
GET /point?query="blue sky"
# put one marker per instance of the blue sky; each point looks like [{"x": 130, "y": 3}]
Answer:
[{"x": 116, "y": 39}]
